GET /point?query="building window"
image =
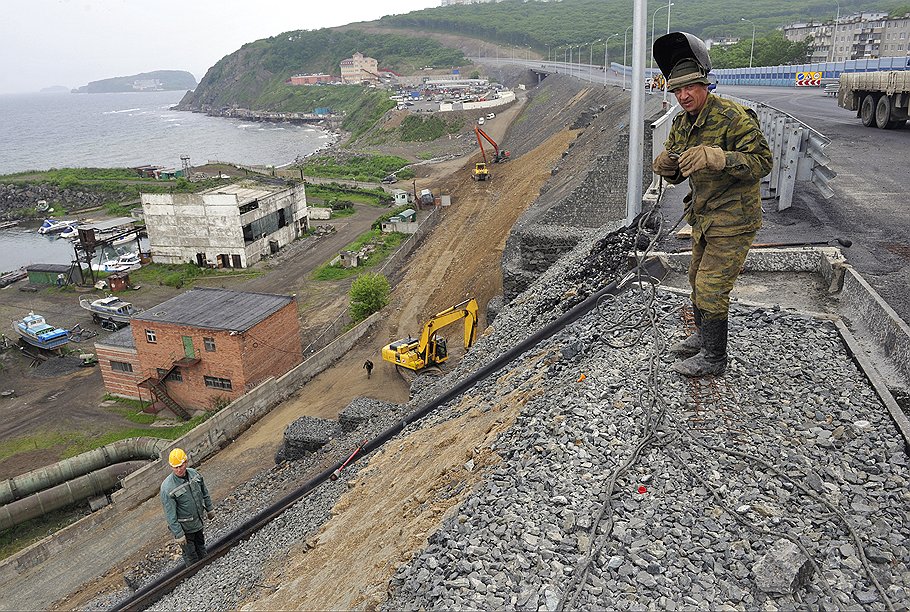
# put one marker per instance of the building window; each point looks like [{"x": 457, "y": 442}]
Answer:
[
  {"x": 150, "y": 336},
  {"x": 213, "y": 382},
  {"x": 176, "y": 375},
  {"x": 121, "y": 366},
  {"x": 209, "y": 344}
]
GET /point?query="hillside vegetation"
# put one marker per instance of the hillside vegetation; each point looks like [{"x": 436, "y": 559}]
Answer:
[
  {"x": 580, "y": 22},
  {"x": 171, "y": 80},
  {"x": 254, "y": 75}
]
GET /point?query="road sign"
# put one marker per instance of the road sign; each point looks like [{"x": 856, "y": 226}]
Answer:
[{"x": 808, "y": 79}]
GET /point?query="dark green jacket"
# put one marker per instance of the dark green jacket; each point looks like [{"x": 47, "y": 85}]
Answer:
[
  {"x": 725, "y": 203},
  {"x": 185, "y": 502}
]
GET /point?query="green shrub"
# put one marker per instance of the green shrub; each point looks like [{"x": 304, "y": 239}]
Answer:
[{"x": 369, "y": 293}]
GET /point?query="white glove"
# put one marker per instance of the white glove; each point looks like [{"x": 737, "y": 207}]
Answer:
[{"x": 182, "y": 541}]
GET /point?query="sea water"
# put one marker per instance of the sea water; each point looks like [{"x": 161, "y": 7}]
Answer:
[{"x": 42, "y": 131}]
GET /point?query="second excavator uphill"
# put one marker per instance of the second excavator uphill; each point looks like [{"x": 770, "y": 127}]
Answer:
[
  {"x": 430, "y": 350},
  {"x": 481, "y": 169}
]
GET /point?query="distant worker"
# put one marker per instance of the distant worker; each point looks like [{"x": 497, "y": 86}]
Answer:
[
  {"x": 186, "y": 500},
  {"x": 368, "y": 366},
  {"x": 718, "y": 145}
]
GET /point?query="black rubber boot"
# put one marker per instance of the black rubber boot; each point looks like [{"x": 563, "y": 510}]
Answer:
[
  {"x": 712, "y": 359},
  {"x": 692, "y": 344}
]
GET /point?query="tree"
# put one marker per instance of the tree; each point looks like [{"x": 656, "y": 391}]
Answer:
[
  {"x": 369, "y": 293},
  {"x": 771, "y": 49}
]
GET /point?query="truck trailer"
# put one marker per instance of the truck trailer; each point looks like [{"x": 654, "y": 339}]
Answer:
[{"x": 879, "y": 98}]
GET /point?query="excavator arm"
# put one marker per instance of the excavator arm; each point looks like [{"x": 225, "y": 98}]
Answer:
[
  {"x": 466, "y": 310},
  {"x": 498, "y": 156}
]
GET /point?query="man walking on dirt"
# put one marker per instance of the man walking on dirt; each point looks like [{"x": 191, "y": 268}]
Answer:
[
  {"x": 368, "y": 366},
  {"x": 718, "y": 145},
  {"x": 186, "y": 500}
]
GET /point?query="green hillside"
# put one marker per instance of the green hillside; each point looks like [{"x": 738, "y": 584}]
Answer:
[
  {"x": 159, "y": 80},
  {"x": 574, "y": 22}
]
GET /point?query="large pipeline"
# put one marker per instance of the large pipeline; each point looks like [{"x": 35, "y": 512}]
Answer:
[
  {"x": 84, "y": 463},
  {"x": 164, "y": 584},
  {"x": 65, "y": 494}
]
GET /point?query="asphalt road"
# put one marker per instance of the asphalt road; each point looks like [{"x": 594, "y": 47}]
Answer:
[{"x": 870, "y": 202}]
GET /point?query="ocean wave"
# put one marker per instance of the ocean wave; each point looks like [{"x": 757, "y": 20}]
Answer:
[{"x": 117, "y": 112}]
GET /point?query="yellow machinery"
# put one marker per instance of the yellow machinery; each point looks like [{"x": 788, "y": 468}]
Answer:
[
  {"x": 481, "y": 172},
  {"x": 481, "y": 169},
  {"x": 430, "y": 350}
]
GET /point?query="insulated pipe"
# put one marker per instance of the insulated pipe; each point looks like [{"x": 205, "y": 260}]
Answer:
[
  {"x": 46, "y": 477},
  {"x": 65, "y": 494},
  {"x": 157, "y": 589}
]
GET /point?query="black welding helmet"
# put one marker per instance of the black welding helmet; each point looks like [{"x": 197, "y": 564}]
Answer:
[{"x": 682, "y": 58}]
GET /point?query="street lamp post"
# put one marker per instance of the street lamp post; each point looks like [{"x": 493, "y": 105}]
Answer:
[
  {"x": 653, "y": 15},
  {"x": 752, "y": 50},
  {"x": 625, "y": 37},
  {"x": 606, "y": 57},
  {"x": 834, "y": 35}
]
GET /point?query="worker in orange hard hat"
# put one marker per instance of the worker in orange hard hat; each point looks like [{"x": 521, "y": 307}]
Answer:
[{"x": 186, "y": 501}]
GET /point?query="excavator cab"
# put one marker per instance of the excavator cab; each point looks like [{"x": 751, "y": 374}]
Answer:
[{"x": 431, "y": 350}]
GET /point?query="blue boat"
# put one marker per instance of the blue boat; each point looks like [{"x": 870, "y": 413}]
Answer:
[{"x": 35, "y": 330}]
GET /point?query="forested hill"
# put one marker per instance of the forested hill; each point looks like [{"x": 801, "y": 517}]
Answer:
[
  {"x": 159, "y": 80},
  {"x": 555, "y": 24},
  {"x": 254, "y": 75}
]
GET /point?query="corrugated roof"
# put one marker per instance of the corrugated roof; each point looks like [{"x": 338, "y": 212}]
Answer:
[{"x": 216, "y": 309}]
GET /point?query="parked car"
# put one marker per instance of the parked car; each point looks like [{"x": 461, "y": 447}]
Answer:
[
  {"x": 389, "y": 179},
  {"x": 480, "y": 121},
  {"x": 490, "y": 115},
  {"x": 831, "y": 89}
]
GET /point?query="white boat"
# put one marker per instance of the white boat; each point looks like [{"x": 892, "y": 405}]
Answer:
[
  {"x": 123, "y": 263},
  {"x": 34, "y": 329},
  {"x": 53, "y": 226},
  {"x": 109, "y": 308},
  {"x": 72, "y": 231}
]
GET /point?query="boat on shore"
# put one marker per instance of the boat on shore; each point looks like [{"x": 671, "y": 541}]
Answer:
[
  {"x": 11, "y": 277},
  {"x": 36, "y": 331},
  {"x": 6, "y": 224},
  {"x": 123, "y": 263},
  {"x": 72, "y": 231},
  {"x": 110, "y": 308}
]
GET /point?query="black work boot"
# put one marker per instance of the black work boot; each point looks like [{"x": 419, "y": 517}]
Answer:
[
  {"x": 693, "y": 343},
  {"x": 712, "y": 359}
]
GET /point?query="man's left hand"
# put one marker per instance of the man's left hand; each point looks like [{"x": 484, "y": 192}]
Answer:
[{"x": 700, "y": 158}]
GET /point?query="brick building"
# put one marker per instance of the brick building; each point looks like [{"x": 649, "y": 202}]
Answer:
[
  {"x": 311, "y": 79},
  {"x": 202, "y": 348}
]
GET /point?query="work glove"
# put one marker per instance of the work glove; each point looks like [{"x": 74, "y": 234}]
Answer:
[
  {"x": 664, "y": 165},
  {"x": 182, "y": 541},
  {"x": 700, "y": 158},
  {"x": 210, "y": 514}
]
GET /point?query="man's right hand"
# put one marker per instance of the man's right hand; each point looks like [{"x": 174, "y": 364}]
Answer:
[
  {"x": 664, "y": 165},
  {"x": 182, "y": 541}
]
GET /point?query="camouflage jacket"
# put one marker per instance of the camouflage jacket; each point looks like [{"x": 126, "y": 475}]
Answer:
[{"x": 728, "y": 202}]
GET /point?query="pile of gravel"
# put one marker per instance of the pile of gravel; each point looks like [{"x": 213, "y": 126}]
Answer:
[
  {"x": 791, "y": 447},
  {"x": 306, "y": 435},
  {"x": 362, "y": 410}
]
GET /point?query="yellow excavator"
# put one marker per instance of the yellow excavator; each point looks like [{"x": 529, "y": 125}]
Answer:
[
  {"x": 430, "y": 350},
  {"x": 482, "y": 169}
]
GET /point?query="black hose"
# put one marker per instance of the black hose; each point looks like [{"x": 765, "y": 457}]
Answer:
[{"x": 157, "y": 589}]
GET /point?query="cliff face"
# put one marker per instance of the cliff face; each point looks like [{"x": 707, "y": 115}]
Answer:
[
  {"x": 158, "y": 80},
  {"x": 236, "y": 80}
]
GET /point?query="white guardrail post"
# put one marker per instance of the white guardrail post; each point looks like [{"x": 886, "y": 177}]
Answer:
[{"x": 798, "y": 151}]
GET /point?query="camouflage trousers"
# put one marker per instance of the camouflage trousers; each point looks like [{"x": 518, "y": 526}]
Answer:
[{"x": 716, "y": 262}]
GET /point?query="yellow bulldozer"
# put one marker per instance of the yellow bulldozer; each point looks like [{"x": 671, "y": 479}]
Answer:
[{"x": 430, "y": 350}]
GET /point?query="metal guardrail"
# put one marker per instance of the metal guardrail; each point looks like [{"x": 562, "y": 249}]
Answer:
[{"x": 797, "y": 148}]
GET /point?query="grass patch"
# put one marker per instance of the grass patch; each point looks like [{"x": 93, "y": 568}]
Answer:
[
  {"x": 334, "y": 191},
  {"x": 416, "y": 128},
  {"x": 385, "y": 245},
  {"x": 16, "y": 538},
  {"x": 358, "y": 167},
  {"x": 179, "y": 275}
]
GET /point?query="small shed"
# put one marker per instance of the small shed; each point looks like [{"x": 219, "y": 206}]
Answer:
[
  {"x": 47, "y": 274},
  {"x": 402, "y": 197},
  {"x": 408, "y": 215},
  {"x": 119, "y": 281}
]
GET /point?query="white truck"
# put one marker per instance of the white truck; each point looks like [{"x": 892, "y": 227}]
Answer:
[{"x": 879, "y": 98}]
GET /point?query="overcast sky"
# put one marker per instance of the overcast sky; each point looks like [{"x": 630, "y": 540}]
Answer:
[{"x": 72, "y": 42}]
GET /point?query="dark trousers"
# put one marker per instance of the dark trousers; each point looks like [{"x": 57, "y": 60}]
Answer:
[{"x": 194, "y": 549}]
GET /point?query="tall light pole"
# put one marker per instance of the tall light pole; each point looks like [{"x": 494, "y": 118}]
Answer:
[
  {"x": 752, "y": 50},
  {"x": 653, "y": 15},
  {"x": 834, "y": 35},
  {"x": 548, "y": 54},
  {"x": 652, "y": 51},
  {"x": 606, "y": 56},
  {"x": 625, "y": 37}
]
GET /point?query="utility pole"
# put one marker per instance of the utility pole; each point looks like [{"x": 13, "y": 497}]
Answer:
[{"x": 637, "y": 111}]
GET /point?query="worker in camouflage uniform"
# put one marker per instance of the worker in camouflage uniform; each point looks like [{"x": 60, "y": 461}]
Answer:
[{"x": 718, "y": 146}]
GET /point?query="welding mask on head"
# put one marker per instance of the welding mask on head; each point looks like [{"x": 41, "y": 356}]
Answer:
[{"x": 683, "y": 59}]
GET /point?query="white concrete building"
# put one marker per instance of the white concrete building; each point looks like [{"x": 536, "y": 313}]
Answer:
[
  {"x": 359, "y": 68},
  {"x": 226, "y": 227},
  {"x": 859, "y": 36}
]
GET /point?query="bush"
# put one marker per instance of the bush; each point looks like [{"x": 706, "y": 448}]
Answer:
[{"x": 369, "y": 293}]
